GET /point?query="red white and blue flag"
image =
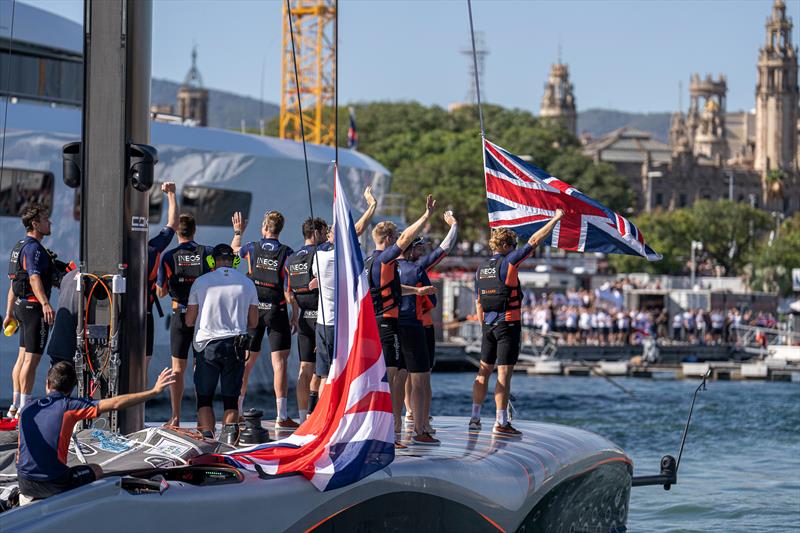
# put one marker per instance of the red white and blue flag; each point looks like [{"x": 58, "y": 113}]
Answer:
[
  {"x": 524, "y": 197},
  {"x": 350, "y": 435},
  {"x": 352, "y": 134}
]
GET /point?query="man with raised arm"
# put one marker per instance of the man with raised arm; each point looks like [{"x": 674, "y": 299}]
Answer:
[
  {"x": 177, "y": 271},
  {"x": 324, "y": 270},
  {"x": 415, "y": 313},
  {"x": 155, "y": 247},
  {"x": 386, "y": 291},
  {"x": 498, "y": 298},
  {"x": 46, "y": 425},
  {"x": 266, "y": 266}
]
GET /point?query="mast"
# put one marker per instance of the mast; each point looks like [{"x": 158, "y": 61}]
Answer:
[{"x": 117, "y": 171}]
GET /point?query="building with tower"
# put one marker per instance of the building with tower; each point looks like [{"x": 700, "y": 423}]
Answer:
[
  {"x": 558, "y": 102},
  {"x": 777, "y": 97},
  {"x": 192, "y": 97},
  {"x": 745, "y": 157}
]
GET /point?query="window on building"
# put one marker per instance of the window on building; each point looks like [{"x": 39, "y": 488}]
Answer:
[
  {"x": 659, "y": 198},
  {"x": 213, "y": 207},
  {"x": 156, "y": 201},
  {"x": 20, "y": 188},
  {"x": 682, "y": 200}
]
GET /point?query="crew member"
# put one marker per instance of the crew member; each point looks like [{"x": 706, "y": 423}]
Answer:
[
  {"x": 414, "y": 269},
  {"x": 299, "y": 270},
  {"x": 266, "y": 266},
  {"x": 324, "y": 280},
  {"x": 498, "y": 298},
  {"x": 32, "y": 275},
  {"x": 155, "y": 247},
  {"x": 222, "y": 306},
  {"x": 46, "y": 425},
  {"x": 178, "y": 269},
  {"x": 386, "y": 291}
]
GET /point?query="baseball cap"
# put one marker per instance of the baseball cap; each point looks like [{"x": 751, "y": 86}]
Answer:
[{"x": 223, "y": 250}]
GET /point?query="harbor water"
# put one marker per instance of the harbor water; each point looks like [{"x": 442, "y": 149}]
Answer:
[{"x": 741, "y": 465}]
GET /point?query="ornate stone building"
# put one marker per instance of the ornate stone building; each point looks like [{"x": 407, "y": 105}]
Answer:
[
  {"x": 558, "y": 102},
  {"x": 192, "y": 97},
  {"x": 714, "y": 154}
]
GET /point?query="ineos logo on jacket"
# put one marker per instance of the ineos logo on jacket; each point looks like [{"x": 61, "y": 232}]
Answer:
[{"x": 263, "y": 262}]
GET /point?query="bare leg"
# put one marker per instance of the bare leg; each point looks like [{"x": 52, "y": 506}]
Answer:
[
  {"x": 480, "y": 386},
  {"x": 280, "y": 379},
  {"x": 15, "y": 373},
  {"x": 397, "y": 385},
  {"x": 206, "y": 420},
  {"x": 230, "y": 416},
  {"x": 503, "y": 386},
  {"x": 316, "y": 382},
  {"x": 408, "y": 392},
  {"x": 176, "y": 390},
  {"x": 304, "y": 381},
  {"x": 27, "y": 374},
  {"x": 252, "y": 357},
  {"x": 420, "y": 383}
]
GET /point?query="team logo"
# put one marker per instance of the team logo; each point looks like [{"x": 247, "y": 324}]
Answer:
[
  {"x": 139, "y": 223},
  {"x": 264, "y": 262},
  {"x": 489, "y": 272},
  {"x": 298, "y": 268}
]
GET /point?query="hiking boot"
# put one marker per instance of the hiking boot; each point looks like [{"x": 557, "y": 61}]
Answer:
[
  {"x": 506, "y": 429},
  {"x": 286, "y": 423},
  {"x": 425, "y": 439},
  {"x": 474, "y": 424}
]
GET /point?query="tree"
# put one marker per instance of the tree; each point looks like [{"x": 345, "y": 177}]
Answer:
[
  {"x": 722, "y": 226},
  {"x": 773, "y": 262}
]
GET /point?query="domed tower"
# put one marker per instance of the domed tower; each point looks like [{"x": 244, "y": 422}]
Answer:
[
  {"x": 777, "y": 96},
  {"x": 192, "y": 97},
  {"x": 706, "y": 120},
  {"x": 558, "y": 102}
]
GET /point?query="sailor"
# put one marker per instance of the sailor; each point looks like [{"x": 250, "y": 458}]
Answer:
[
  {"x": 266, "y": 266},
  {"x": 46, "y": 425},
  {"x": 299, "y": 269},
  {"x": 386, "y": 291},
  {"x": 155, "y": 247},
  {"x": 178, "y": 269},
  {"x": 498, "y": 299},
  {"x": 32, "y": 275},
  {"x": 222, "y": 307},
  {"x": 324, "y": 280},
  {"x": 415, "y": 321}
]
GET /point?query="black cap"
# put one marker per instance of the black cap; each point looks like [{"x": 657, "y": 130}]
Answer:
[
  {"x": 223, "y": 250},
  {"x": 419, "y": 240}
]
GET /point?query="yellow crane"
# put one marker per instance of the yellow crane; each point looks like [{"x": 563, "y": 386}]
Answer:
[{"x": 313, "y": 22}]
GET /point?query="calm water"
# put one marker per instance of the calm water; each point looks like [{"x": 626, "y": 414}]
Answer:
[{"x": 741, "y": 466}]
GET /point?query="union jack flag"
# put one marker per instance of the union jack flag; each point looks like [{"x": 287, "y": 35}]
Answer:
[
  {"x": 524, "y": 197},
  {"x": 350, "y": 435}
]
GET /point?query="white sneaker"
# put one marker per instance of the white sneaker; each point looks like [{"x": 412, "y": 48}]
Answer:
[{"x": 474, "y": 424}]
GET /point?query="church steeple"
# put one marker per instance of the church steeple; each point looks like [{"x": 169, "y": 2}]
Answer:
[
  {"x": 777, "y": 96},
  {"x": 558, "y": 102},
  {"x": 192, "y": 97}
]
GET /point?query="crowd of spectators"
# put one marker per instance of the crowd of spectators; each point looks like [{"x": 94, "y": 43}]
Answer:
[{"x": 583, "y": 317}]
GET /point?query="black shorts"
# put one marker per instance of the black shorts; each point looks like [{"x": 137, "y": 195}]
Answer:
[
  {"x": 500, "y": 343},
  {"x": 72, "y": 479},
  {"x": 180, "y": 335},
  {"x": 390, "y": 342},
  {"x": 33, "y": 330},
  {"x": 276, "y": 320},
  {"x": 324, "y": 350},
  {"x": 414, "y": 347},
  {"x": 430, "y": 341},
  {"x": 307, "y": 336},
  {"x": 221, "y": 362},
  {"x": 150, "y": 334}
]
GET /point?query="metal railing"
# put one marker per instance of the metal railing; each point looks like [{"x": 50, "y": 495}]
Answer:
[{"x": 756, "y": 339}]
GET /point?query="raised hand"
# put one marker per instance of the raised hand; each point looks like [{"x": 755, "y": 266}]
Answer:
[
  {"x": 238, "y": 222},
  {"x": 168, "y": 187},
  {"x": 430, "y": 204},
  {"x": 165, "y": 379},
  {"x": 368, "y": 196},
  {"x": 559, "y": 214},
  {"x": 449, "y": 218}
]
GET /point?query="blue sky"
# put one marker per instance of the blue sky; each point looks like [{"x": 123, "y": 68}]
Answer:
[{"x": 623, "y": 54}]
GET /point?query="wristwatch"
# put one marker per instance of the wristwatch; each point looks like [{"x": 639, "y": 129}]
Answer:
[{"x": 237, "y": 232}]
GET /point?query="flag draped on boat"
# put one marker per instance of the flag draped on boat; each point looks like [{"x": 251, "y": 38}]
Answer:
[
  {"x": 350, "y": 435},
  {"x": 524, "y": 197}
]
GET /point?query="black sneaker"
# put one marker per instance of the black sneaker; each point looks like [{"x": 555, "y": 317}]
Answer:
[{"x": 506, "y": 429}]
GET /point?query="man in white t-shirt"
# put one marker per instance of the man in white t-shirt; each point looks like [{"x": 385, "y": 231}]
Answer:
[{"x": 223, "y": 304}]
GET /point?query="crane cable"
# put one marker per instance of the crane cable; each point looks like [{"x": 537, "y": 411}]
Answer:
[{"x": 303, "y": 137}]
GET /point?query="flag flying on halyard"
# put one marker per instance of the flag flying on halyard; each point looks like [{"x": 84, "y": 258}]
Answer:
[
  {"x": 350, "y": 435},
  {"x": 524, "y": 197}
]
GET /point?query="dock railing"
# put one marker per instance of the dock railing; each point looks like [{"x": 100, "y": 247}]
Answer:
[{"x": 757, "y": 339}]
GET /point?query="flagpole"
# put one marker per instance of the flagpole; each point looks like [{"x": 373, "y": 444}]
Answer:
[
  {"x": 336, "y": 82},
  {"x": 475, "y": 68}
]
